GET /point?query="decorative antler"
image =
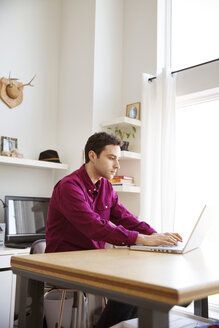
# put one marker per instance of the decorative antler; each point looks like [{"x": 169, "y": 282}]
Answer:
[
  {"x": 11, "y": 88},
  {"x": 10, "y": 79},
  {"x": 29, "y": 83},
  {"x": 11, "y": 91}
]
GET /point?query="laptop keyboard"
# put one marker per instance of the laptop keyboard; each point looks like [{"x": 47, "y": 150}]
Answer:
[{"x": 169, "y": 246}]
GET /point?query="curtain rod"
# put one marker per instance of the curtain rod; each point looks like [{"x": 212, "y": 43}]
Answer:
[{"x": 185, "y": 69}]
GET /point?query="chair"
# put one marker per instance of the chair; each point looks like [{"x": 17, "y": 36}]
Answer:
[
  {"x": 80, "y": 299},
  {"x": 38, "y": 246}
]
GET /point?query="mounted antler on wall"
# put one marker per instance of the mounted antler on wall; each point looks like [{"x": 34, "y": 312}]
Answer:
[{"x": 11, "y": 91}]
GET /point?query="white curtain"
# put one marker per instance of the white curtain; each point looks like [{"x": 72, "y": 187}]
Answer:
[{"x": 158, "y": 151}]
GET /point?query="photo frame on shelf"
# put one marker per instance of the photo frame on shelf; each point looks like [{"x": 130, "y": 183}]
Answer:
[
  {"x": 8, "y": 144},
  {"x": 133, "y": 110}
]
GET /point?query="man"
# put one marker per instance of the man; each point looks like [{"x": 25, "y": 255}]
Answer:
[{"x": 84, "y": 204}]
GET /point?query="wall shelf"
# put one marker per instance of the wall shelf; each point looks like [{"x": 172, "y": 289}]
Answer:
[
  {"x": 4, "y": 160},
  {"x": 122, "y": 121},
  {"x": 129, "y": 161},
  {"x": 127, "y": 188}
]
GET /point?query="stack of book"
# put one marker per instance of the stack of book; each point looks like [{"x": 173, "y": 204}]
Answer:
[{"x": 121, "y": 180}]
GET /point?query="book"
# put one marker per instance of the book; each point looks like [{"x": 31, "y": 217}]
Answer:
[
  {"x": 123, "y": 184},
  {"x": 126, "y": 177},
  {"x": 121, "y": 181}
]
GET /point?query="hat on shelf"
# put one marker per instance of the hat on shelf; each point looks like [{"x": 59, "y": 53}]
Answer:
[{"x": 49, "y": 156}]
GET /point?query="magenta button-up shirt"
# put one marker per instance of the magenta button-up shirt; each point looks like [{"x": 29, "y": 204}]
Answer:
[{"x": 80, "y": 215}]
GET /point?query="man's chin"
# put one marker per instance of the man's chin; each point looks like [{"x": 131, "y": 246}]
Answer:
[{"x": 110, "y": 176}]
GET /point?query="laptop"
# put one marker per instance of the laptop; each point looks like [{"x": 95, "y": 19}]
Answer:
[{"x": 194, "y": 241}]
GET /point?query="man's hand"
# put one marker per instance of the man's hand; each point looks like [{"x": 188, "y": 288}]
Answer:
[{"x": 156, "y": 239}]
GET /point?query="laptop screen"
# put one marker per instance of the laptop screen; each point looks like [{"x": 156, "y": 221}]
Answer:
[{"x": 25, "y": 218}]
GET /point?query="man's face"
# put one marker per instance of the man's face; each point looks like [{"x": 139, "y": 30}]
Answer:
[{"x": 107, "y": 163}]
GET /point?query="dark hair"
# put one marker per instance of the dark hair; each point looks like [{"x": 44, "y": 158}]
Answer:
[{"x": 98, "y": 141}]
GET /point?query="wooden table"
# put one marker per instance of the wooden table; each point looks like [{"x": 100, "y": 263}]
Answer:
[{"x": 154, "y": 282}]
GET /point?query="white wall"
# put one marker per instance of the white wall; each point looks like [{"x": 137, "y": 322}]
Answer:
[
  {"x": 125, "y": 47},
  {"x": 74, "y": 124},
  {"x": 30, "y": 32},
  {"x": 88, "y": 56},
  {"x": 139, "y": 56},
  {"x": 29, "y": 45},
  {"x": 108, "y": 61},
  {"x": 140, "y": 46}
]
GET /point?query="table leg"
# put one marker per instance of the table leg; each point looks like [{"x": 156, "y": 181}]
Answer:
[
  {"x": 201, "y": 307},
  {"x": 22, "y": 303},
  {"x": 153, "y": 318},
  {"x": 37, "y": 294}
]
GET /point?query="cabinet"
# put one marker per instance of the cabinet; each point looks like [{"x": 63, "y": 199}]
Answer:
[
  {"x": 8, "y": 285},
  {"x": 130, "y": 162},
  {"x": 7, "y": 278}
]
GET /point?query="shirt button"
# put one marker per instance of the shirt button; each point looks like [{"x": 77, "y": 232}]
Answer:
[
  {"x": 106, "y": 206},
  {"x": 123, "y": 243},
  {"x": 89, "y": 190},
  {"x": 95, "y": 189}
]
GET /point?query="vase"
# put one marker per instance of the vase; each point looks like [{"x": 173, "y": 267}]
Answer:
[{"x": 125, "y": 145}]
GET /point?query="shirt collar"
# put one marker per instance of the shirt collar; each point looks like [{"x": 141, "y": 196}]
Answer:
[{"x": 90, "y": 186}]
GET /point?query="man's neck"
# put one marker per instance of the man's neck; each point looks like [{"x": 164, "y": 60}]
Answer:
[{"x": 89, "y": 169}]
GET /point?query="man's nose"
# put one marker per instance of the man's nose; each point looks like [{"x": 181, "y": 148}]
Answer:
[{"x": 117, "y": 164}]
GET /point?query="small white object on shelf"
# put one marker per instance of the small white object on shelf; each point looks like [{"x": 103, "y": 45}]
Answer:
[
  {"x": 127, "y": 188},
  {"x": 129, "y": 155},
  {"x": 31, "y": 163}
]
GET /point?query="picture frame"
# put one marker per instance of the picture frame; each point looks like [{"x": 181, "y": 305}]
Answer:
[
  {"x": 8, "y": 144},
  {"x": 133, "y": 110}
]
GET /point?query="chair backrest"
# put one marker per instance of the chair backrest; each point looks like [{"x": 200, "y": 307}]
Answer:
[{"x": 38, "y": 246}]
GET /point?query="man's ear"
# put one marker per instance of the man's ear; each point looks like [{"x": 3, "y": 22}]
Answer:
[{"x": 92, "y": 155}]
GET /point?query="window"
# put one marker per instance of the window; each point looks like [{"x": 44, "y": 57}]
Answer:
[
  {"x": 197, "y": 160},
  {"x": 195, "y": 27},
  {"x": 194, "y": 41},
  {"x": 197, "y": 163}
]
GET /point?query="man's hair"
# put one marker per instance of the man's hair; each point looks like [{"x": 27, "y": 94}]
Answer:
[{"x": 98, "y": 141}]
